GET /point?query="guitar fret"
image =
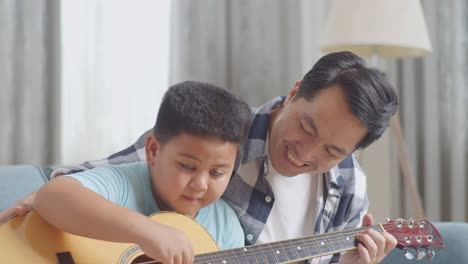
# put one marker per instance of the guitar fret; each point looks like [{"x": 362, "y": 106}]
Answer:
[
  {"x": 335, "y": 242},
  {"x": 269, "y": 253},
  {"x": 323, "y": 244},
  {"x": 279, "y": 256},
  {"x": 235, "y": 257},
  {"x": 215, "y": 257},
  {"x": 278, "y": 250},
  {"x": 244, "y": 250},
  {"x": 301, "y": 251},
  {"x": 250, "y": 254},
  {"x": 348, "y": 239},
  {"x": 290, "y": 250},
  {"x": 259, "y": 256},
  {"x": 230, "y": 257},
  {"x": 303, "y": 241},
  {"x": 312, "y": 247}
]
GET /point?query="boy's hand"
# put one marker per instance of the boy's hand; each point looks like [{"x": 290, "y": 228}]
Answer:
[
  {"x": 168, "y": 245},
  {"x": 20, "y": 208},
  {"x": 373, "y": 246}
]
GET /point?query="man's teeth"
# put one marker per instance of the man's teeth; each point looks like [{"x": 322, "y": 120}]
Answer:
[{"x": 293, "y": 159}]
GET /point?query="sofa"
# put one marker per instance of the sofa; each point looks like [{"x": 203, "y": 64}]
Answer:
[{"x": 17, "y": 181}]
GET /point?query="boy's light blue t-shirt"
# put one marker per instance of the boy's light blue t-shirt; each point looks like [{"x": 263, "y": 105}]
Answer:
[{"x": 129, "y": 186}]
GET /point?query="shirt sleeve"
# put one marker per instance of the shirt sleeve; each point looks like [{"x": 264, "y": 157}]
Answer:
[
  {"x": 357, "y": 205},
  {"x": 106, "y": 181},
  {"x": 135, "y": 152}
]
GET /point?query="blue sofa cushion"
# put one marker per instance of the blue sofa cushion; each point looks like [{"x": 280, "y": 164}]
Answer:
[{"x": 18, "y": 181}]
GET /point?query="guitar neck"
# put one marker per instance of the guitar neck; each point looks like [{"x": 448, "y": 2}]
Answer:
[{"x": 288, "y": 250}]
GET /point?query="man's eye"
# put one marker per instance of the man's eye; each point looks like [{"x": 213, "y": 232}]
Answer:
[
  {"x": 217, "y": 173},
  {"x": 305, "y": 129},
  {"x": 332, "y": 155}
]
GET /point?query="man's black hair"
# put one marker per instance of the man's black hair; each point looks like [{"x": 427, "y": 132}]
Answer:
[{"x": 369, "y": 93}]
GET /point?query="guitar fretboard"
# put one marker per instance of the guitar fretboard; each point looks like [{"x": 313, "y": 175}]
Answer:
[{"x": 288, "y": 250}]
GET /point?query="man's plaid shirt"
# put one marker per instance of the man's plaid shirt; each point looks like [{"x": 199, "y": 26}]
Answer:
[{"x": 344, "y": 194}]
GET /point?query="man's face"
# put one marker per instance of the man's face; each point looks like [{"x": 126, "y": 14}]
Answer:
[
  {"x": 313, "y": 136},
  {"x": 189, "y": 172}
]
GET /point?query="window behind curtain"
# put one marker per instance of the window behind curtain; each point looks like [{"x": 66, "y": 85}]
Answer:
[{"x": 115, "y": 61}]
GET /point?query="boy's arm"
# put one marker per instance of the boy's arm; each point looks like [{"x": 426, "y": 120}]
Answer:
[
  {"x": 73, "y": 208},
  {"x": 135, "y": 152}
]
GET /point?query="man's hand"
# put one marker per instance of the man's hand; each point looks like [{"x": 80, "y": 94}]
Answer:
[
  {"x": 372, "y": 247},
  {"x": 20, "y": 208}
]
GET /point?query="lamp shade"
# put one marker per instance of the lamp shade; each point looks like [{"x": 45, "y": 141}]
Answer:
[{"x": 388, "y": 28}]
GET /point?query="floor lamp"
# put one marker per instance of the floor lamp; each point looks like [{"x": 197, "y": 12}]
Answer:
[{"x": 381, "y": 28}]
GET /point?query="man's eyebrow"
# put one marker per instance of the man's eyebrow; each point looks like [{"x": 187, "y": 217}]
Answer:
[
  {"x": 227, "y": 165},
  {"x": 310, "y": 121}
]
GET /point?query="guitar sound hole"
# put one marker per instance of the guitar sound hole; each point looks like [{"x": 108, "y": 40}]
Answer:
[{"x": 144, "y": 259}]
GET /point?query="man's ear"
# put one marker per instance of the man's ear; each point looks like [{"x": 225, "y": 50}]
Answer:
[
  {"x": 292, "y": 92},
  {"x": 151, "y": 148}
]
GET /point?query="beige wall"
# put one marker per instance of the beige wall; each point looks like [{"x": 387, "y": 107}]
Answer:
[{"x": 378, "y": 162}]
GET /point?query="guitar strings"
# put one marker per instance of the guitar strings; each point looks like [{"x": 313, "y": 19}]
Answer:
[{"x": 334, "y": 237}]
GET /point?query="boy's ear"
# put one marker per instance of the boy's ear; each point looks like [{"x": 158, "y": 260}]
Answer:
[{"x": 151, "y": 148}]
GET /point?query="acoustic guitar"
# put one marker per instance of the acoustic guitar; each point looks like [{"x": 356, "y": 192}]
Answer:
[{"x": 30, "y": 239}]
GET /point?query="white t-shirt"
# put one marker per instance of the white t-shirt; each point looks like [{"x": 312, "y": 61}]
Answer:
[{"x": 294, "y": 211}]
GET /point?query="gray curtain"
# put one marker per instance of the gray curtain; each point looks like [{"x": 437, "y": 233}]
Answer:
[
  {"x": 257, "y": 48},
  {"x": 29, "y": 94},
  {"x": 433, "y": 99}
]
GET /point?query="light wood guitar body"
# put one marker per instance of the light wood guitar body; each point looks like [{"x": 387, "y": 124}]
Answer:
[{"x": 29, "y": 239}]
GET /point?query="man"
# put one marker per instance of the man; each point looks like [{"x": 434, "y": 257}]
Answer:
[{"x": 298, "y": 175}]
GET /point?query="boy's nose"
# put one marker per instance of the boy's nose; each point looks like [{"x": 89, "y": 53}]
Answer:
[{"x": 199, "y": 183}]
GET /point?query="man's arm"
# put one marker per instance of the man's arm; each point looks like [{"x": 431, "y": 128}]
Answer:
[
  {"x": 135, "y": 152},
  {"x": 69, "y": 206}
]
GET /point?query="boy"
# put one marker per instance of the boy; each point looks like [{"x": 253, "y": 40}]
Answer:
[{"x": 190, "y": 157}]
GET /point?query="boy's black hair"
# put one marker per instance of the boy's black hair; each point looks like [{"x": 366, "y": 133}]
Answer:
[
  {"x": 202, "y": 109},
  {"x": 369, "y": 93}
]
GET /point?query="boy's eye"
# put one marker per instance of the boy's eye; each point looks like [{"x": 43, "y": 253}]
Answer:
[{"x": 186, "y": 166}]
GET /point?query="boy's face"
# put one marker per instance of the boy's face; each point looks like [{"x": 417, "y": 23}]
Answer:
[
  {"x": 189, "y": 172},
  {"x": 313, "y": 136}
]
